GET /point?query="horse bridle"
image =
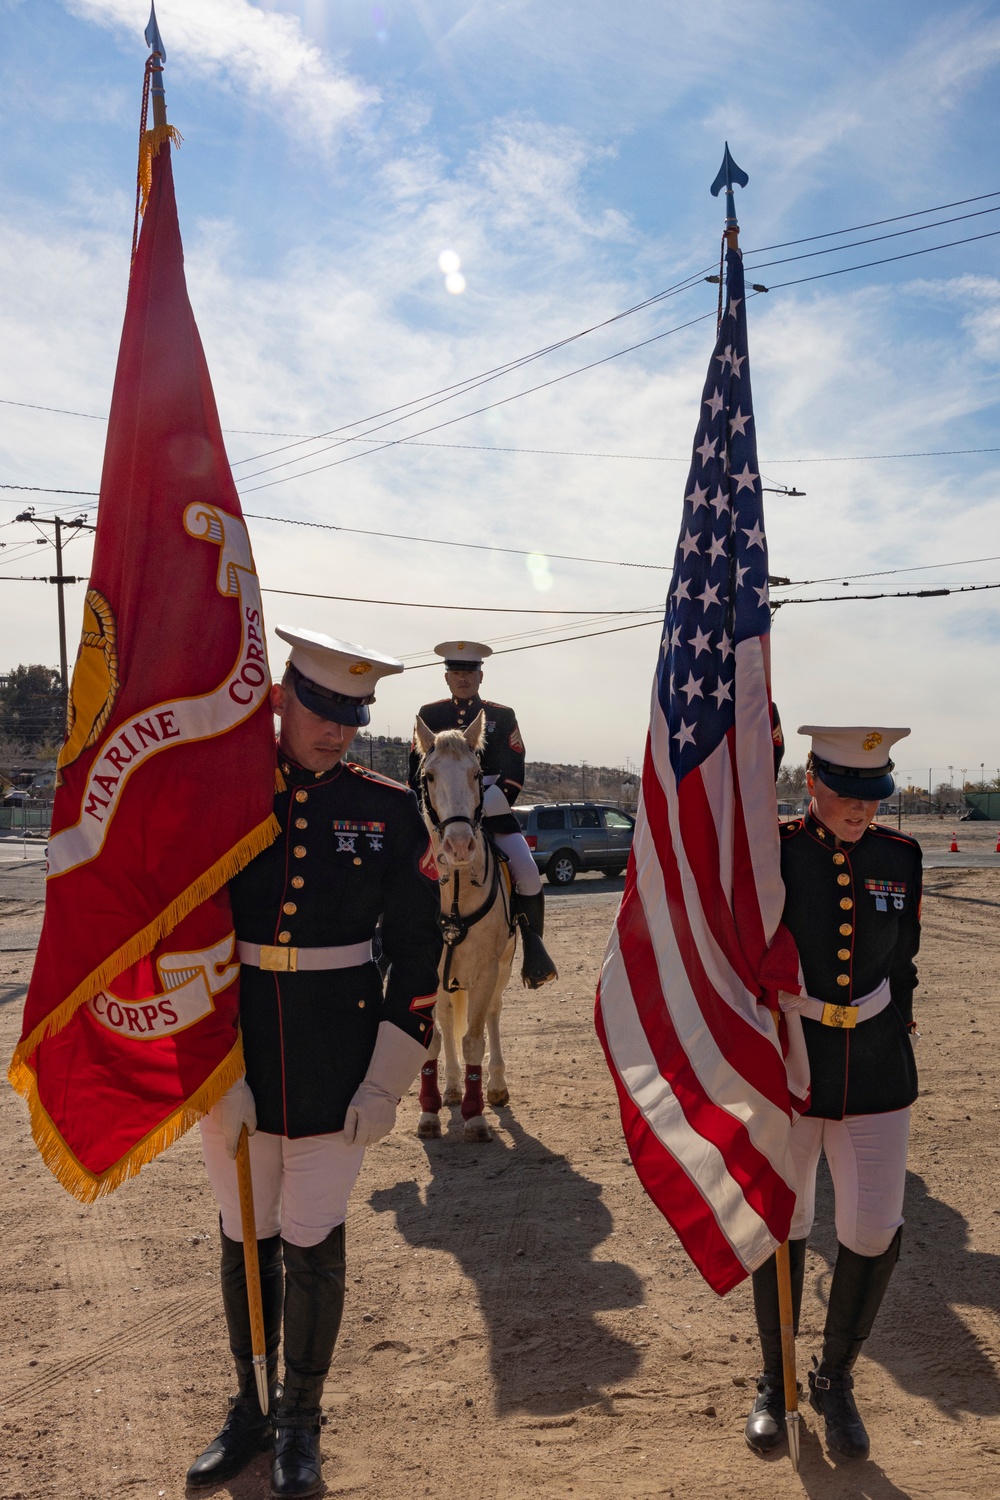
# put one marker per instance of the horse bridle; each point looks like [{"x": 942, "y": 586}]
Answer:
[{"x": 440, "y": 824}]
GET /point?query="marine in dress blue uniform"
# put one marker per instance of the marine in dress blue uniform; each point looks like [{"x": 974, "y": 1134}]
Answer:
[
  {"x": 328, "y": 1050},
  {"x": 501, "y": 758},
  {"x": 852, "y": 903}
]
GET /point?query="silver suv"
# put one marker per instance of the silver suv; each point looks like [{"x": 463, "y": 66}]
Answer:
[{"x": 565, "y": 837}]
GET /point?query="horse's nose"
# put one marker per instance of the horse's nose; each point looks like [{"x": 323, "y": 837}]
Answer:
[{"x": 459, "y": 845}]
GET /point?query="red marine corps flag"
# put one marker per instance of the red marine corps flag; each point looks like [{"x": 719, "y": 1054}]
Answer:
[{"x": 167, "y": 774}]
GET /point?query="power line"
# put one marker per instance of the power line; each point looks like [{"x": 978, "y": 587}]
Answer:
[
  {"x": 895, "y": 219},
  {"x": 581, "y": 369},
  {"x": 964, "y": 588},
  {"x": 488, "y": 609},
  {"x": 490, "y": 406},
  {"x": 908, "y": 255},
  {"x": 589, "y": 635},
  {"x": 853, "y": 244},
  {"x": 962, "y": 562},
  {"x": 399, "y": 536}
]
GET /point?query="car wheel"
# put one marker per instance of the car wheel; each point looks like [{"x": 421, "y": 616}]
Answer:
[{"x": 561, "y": 869}]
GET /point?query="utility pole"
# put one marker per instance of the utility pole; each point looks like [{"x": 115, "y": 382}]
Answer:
[{"x": 77, "y": 524}]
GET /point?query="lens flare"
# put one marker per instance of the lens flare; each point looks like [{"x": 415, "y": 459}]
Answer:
[
  {"x": 448, "y": 262},
  {"x": 455, "y": 282},
  {"x": 538, "y": 566}
]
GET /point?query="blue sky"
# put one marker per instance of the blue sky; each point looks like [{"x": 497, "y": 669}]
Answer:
[{"x": 562, "y": 150}]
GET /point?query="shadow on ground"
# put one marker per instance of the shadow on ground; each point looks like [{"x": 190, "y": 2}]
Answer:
[
  {"x": 938, "y": 1357},
  {"x": 524, "y": 1226}
]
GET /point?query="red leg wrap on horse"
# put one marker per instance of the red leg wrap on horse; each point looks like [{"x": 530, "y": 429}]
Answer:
[
  {"x": 472, "y": 1099},
  {"x": 430, "y": 1094}
]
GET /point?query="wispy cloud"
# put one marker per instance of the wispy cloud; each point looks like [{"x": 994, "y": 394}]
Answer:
[{"x": 263, "y": 52}]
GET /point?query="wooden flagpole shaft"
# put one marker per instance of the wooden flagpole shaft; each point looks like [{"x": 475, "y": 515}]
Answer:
[
  {"x": 257, "y": 1339},
  {"x": 787, "y": 1319}
]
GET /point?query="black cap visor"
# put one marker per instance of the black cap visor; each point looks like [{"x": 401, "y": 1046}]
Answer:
[
  {"x": 323, "y": 701},
  {"x": 463, "y": 666},
  {"x": 854, "y": 781}
]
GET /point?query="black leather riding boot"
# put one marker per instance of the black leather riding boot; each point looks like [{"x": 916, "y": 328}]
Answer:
[
  {"x": 859, "y": 1284},
  {"x": 537, "y": 967},
  {"x": 246, "y": 1431},
  {"x": 765, "y": 1427},
  {"x": 314, "y": 1302}
]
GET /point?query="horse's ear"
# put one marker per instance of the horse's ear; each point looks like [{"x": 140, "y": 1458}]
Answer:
[
  {"x": 475, "y": 735},
  {"x": 422, "y": 736}
]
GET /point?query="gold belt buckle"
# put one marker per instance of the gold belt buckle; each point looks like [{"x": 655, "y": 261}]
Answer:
[
  {"x": 843, "y": 1016},
  {"x": 273, "y": 957}
]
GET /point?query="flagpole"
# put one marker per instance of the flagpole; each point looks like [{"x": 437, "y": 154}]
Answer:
[
  {"x": 248, "y": 1218},
  {"x": 158, "y": 56},
  {"x": 728, "y": 177}
]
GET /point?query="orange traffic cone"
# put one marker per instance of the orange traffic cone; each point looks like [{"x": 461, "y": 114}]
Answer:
[{"x": 954, "y": 843}]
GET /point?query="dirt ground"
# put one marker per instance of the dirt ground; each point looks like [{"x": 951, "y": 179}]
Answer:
[{"x": 520, "y": 1320}]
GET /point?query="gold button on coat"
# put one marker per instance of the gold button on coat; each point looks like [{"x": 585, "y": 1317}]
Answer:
[
  {"x": 842, "y": 953},
  {"x": 299, "y": 851},
  {"x": 284, "y": 937},
  {"x": 289, "y": 908},
  {"x": 357, "y": 859},
  {"x": 301, "y": 822},
  {"x": 361, "y": 1005},
  {"x": 838, "y": 859},
  {"x": 301, "y": 796},
  {"x": 298, "y": 882},
  {"x": 846, "y": 903},
  {"x": 843, "y": 879},
  {"x": 845, "y": 927},
  {"x": 843, "y": 978}
]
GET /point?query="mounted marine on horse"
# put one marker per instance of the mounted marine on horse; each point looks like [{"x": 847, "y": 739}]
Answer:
[{"x": 478, "y": 920}]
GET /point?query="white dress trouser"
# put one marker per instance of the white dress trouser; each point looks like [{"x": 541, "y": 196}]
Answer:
[
  {"x": 522, "y": 867},
  {"x": 866, "y": 1155},
  {"x": 300, "y": 1187}
]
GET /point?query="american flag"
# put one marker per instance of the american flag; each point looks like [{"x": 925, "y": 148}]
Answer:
[{"x": 701, "y": 1082}]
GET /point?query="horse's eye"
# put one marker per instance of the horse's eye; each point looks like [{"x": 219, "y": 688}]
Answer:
[{"x": 429, "y": 776}]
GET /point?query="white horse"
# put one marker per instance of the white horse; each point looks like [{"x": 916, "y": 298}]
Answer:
[{"x": 477, "y": 926}]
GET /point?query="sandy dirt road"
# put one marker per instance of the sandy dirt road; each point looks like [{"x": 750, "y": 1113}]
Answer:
[{"x": 520, "y": 1320}]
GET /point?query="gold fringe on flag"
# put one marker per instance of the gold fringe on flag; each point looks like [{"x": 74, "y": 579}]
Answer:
[
  {"x": 87, "y": 1187},
  {"x": 280, "y": 784},
  {"x": 141, "y": 943},
  {"x": 149, "y": 146}
]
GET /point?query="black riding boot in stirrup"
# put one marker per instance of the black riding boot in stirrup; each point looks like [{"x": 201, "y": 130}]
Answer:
[
  {"x": 246, "y": 1431},
  {"x": 537, "y": 967},
  {"x": 314, "y": 1302},
  {"x": 859, "y": 1283},
  {"x": 765, "y": 1427}
]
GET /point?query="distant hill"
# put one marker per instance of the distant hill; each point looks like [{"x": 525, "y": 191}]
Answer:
[{"x": 544, "y": 781}]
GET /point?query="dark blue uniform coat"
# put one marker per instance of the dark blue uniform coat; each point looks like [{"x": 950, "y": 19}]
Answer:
[
  {"x": 353, "y": 848},
  {"x": 854, "y": 912},
  {"x": 503, "y": 753}
]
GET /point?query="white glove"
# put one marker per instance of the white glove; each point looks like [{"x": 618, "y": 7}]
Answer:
[
  {"x": 395, "y": 1063},
  {"x": 791, "y": 1003},
  {"x": 234, "y": 1110}
]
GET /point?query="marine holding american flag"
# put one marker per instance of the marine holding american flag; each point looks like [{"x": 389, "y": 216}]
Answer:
[
  {"x": 328, "y": 1056},
  {"x": 853, "y": 906}
]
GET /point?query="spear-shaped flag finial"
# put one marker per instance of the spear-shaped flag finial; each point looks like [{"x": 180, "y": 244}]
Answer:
[
  {"x": 159, "y": 57},
  {"x": 728, "y": 176}
]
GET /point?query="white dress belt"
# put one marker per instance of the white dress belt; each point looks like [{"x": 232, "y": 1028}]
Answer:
[
  {"x": 850, "y": 1015},
  {"x": 284, "y": 958}
]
